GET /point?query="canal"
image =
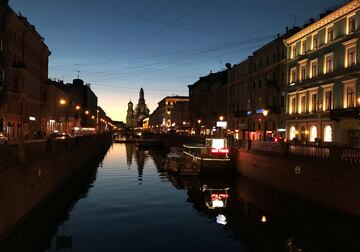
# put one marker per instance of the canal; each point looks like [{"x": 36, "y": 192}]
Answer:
[{"x": 127, "y": 202}]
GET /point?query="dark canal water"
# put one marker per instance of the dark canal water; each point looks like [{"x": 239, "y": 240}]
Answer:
[{"x": 128, "y": 202}]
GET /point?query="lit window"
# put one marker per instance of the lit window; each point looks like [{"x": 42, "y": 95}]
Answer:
[
  {"x": 292, "y": 109},
  {"x": 313, "y": 104},
  {"x": 302, "y": 108},
  {"x": 292, "y": 133},
  {"x": 328, "y": 100},
  {"x": 302, "y": 72},
  {"x": 351, "y": 24},
  {"x": 293, "y": 51},
  {"x": 293, "y": 75},
  {"x": 313, "y": 133},
  {"x": 303, "y": 47},
  {"x": 328, "y": 63},
  {"x": 329, "y": 34},
  {"x": 350, "y": 94},
  {"x": 327, "y": 133},
  {"x": 315, "y": 41},
  {"x": 313, "y": 69},
  {"x": 350, "y": 57}
]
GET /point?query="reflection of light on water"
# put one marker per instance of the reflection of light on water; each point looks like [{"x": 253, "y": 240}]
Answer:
[
  {"x": 263, "y": 219},
  {"x": 217, "y": 203},
  {"x": 221, "y": 219}
]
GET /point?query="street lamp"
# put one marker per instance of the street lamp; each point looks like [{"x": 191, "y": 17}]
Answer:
[
  {"x": 86, "y": 112},
  {"x": 265, "y": 113},
  {"x": 358, "y": 100},
  {"x": 199, "y": 125},
  {"x": 221, "y": 118},
  {"x": 62, "y": 102},
  {"x": 77, "y": 107}
]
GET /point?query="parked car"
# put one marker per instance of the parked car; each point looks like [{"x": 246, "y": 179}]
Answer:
[{"x": 3, "y": 138}]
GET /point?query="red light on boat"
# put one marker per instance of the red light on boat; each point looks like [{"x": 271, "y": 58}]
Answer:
[
  {"x": 276, "y": 139},
  {"x": 224, "y": 151},
  {"x": 219, "y": 195}
]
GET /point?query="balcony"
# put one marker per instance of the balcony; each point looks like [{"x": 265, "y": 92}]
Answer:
[
  {"x": 345, "y": 113},
  {"x": 315, "y": 115}
]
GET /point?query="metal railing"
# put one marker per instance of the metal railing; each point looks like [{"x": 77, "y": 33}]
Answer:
[
  {"x": 266, "y": 146},
  {"x": 309, "y": 151},
  {"x": 11, "y": 153},
  {"x": 350, "y": 155}
]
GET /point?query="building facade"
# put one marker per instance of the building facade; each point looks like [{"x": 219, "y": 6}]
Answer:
[
  {"x": 208, "y": 101},
  {"x": 135, "y": 116},
  {"x": 323, "y": 79},
  {"x": 257, "y": 91},
  {"x": 160, "y": 119},
  {"x": 24, "y": 72}
]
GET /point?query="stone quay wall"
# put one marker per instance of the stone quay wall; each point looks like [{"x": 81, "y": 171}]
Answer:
[
  {"x": 326, "y": 175},
  {"x": 31, "y": 172}
]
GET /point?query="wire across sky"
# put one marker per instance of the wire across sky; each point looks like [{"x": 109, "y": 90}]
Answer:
[{"x": 160, "y": 45}]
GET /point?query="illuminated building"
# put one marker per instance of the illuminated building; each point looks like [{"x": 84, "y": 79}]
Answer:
[
  {"x": 256, "y": 85},
  {"x": 160, "y": 119},
  {"x": 134, "y": 117},
  {"x": 323, "y": 78}
]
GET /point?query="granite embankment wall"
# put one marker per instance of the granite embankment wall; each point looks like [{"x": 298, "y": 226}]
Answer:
[
  {"x": 329, "y": 181},
  {"x": 31, "y": 172}
]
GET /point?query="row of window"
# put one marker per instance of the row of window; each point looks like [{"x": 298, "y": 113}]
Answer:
[
  {"x": 311, "y": 70},
  {"x": 309, "y": 101},
  {"x": 312, "y": 134},
  {"x": 351, "y": 27}
]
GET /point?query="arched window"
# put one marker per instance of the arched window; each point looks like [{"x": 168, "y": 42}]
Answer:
[
  {"x": 313, "y": 133},
  {"x": 292, "y": 133},
  {"x": 327, "y": 133}
]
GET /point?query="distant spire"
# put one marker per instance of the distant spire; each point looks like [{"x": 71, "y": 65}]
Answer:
[{"x": 141, "y": 93}]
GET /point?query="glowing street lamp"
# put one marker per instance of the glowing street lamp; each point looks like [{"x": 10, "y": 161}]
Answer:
[
  {"x": 199, "y": 121},
  {"x": 77, "y": 107},
  {"x": 221, "y": 118},
  {"x": 358, "y": 100},
  {"x": 87, "y": 112},
  {"x": 265, "y": 113},
  {"x": 62, "y": 102}
]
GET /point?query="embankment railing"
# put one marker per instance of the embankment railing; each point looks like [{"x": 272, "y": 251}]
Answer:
[{"x": 24, "y": 152}]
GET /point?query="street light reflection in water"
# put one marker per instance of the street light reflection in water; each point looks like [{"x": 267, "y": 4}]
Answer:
[{"x": 115, "y": 206}]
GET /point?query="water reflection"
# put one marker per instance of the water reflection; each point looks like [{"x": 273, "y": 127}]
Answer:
[
  {"x": 267, "y": 220},
  {"x": 129, "y": 154},
  {"x": 167, "y": 212},
  {"x": 36, "y": 233}
]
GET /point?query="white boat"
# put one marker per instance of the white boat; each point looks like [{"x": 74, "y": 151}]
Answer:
[{"x": 192, "y": 160}]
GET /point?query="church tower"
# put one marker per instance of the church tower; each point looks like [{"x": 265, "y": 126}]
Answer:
[
  {"x": 141, "y": 110},
  {"x": 130, "y": 115}
]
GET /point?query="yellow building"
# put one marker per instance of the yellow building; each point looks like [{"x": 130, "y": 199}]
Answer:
[{"x": 323, "y": 79}]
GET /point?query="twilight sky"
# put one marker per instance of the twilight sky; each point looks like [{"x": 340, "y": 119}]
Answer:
[{"x": 161, "y": 45}]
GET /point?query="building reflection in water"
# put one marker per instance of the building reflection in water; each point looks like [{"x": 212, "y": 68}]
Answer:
[
  {"x": 49, "y": 220},
  {"x": 252, "y": 213},
  {"x": 129, "y": 154}
]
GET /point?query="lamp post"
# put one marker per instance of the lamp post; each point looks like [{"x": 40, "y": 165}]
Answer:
[
  {"x": 199, "y": 126},
  {"x": 63, "y": 102},
  {"x": 221, "y": 118},
  {"x": 265, "y": 113}
]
